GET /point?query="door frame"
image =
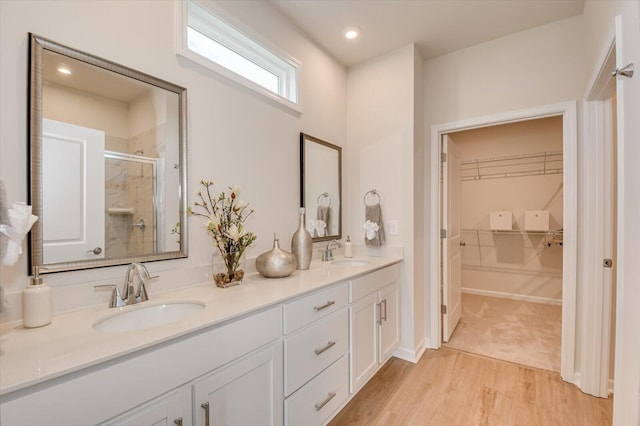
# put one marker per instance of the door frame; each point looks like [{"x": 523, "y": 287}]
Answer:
[
  {"x": 597, "y": 243},
  {"x": 568, "y": 112}
]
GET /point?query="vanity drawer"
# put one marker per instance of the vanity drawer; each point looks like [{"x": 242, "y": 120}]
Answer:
[
  {"x": 320, "y": 398},
  {"x": 304, "y": 310},
  {"x": 314, "y": 348},
  {"x": 361, "y": 286}
]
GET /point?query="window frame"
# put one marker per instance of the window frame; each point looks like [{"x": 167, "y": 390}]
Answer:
[{"x": 289, "y": 94}]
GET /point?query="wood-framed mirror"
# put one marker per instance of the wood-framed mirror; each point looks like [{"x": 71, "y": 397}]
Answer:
[
  {"x": 108, "y": 162},
  {"x": 321, "y": 187}
]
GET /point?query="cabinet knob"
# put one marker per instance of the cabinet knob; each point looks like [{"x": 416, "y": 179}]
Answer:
[{"x": 178, "y": 421}]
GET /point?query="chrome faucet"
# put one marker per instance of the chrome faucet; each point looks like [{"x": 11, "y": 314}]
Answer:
[
  {"x": 327, "y": 255},
  {"x": 128, "y": 296}
]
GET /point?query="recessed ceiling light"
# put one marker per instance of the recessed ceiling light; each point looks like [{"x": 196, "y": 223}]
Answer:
[
  {"x": 351, "y": 33},
  {"x": 64, "y": 70}
]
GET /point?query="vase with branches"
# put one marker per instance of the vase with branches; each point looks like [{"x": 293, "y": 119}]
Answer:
[{"x": 225, "y": 216}]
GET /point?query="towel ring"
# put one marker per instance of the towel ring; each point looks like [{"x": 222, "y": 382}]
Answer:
[
  {"x": 372, "y": 192},
  {"x": 324, "y": 195}
]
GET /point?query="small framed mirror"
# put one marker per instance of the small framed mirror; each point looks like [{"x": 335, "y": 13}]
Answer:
[
  {"x": 321, "y": 187},
  {"x": 107, "y": 162}
]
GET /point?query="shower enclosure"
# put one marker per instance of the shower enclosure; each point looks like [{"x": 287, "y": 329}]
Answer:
[{"x": 131, "y": 200}]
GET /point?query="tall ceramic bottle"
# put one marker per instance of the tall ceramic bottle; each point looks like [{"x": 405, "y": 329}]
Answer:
[{"x": 301, "y": 244}]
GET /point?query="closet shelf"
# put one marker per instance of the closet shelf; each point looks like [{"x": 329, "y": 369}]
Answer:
[
  {"x": 552, "y": 234},
  {"x": 542, "y": 163},
  {"x": 552, "y": 237}
]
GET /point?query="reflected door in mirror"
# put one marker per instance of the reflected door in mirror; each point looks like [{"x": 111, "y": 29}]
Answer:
[{"x": 73, "y": 201}]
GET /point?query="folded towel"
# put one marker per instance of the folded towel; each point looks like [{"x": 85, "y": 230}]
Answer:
[
  {"x": 320, "y": 228},
  {"x": 21, "y": 220},
  {"x": 323, "y": 214},
  {"x": 373, "y": 214}
]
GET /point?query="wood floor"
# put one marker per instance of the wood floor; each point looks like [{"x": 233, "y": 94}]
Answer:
[{"x": 451, "y": 387}]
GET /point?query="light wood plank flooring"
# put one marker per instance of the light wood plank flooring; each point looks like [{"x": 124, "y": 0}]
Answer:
[{"x": 451, "y": 387}]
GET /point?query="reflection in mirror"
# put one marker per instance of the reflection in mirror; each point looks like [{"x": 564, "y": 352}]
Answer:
[
  {"x": 108, "y": 170},
  {"x": 321, "y": 187}
]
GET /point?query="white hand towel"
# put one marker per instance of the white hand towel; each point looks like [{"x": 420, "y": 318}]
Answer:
[
  {"x": 371, "y": 230},
  {"x": 21, "y": 220},
  {"x": 320, "y": 228}
]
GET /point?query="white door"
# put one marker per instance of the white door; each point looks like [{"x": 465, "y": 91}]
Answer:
[
  {"x": 451, "y": 253},
  {"x": 73, "y": 192},
  {"x": 626, "y": 408}
]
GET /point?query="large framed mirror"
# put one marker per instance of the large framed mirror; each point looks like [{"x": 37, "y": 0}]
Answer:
[
  {"x": 321, "y": 187},
  {"x": 108, "y": 162}
]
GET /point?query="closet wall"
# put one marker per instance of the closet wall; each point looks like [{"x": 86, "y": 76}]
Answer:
[{"x": 516, "y": 264}]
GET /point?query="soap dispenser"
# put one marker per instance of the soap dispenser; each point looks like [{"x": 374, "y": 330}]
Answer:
[
  {"x": 36, "y": 302},
  {"x": 348, "y": 247}
]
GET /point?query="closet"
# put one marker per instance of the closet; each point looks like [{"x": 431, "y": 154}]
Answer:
[{"x": 511, "y": 213}]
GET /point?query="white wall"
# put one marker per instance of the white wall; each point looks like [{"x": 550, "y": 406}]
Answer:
[
  {"x": 536, "y": 67},
  {"x": 235, "y": 136},
  {"x": 380, "y": 155}
]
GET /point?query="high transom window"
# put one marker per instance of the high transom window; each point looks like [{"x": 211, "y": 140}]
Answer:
[{"x": 207, "y": 38}]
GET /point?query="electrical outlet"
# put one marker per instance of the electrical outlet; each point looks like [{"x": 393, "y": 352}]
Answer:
[{"x": 393, "y": 227}]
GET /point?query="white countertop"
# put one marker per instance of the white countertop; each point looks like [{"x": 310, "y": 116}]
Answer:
[{"x": 69, "y": 343}]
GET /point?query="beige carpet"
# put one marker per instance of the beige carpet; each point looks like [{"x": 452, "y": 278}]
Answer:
[{"x": 511, "y": 330}]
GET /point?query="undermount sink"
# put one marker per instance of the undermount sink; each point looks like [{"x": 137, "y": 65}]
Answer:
[
  {"x": 351, "y": 262},
  {"x": 143, "y": 317}
]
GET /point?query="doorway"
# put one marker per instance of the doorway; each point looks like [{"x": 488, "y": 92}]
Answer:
[
  {"x": 567, "y": 112},
  {"x": 502, "y": 246}
]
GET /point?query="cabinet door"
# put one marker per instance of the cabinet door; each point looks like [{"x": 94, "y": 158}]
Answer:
[
  {"x": 390, "y": 321},
  {"x": 364, "y": 340},
  {"x": 244, "y": 393},
  {"x": 171, "y": 409}
]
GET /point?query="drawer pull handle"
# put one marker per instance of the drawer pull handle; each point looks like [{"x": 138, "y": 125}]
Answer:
[
  {"x": 319, "y": 405},
  {"x": 326, "y": 305},
  {"x": 379, "y": 306},
  {"x": 206, "y": 412},
  {"x": 385, "y": 310},
  {"x": 328, "y": 345},
  {"x": 178, "y": 421}
]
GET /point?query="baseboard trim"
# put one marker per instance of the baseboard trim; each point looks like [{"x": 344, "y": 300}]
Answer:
[
  {"x": 522, "y": 297},
  {"x": 411, "y": 355}
]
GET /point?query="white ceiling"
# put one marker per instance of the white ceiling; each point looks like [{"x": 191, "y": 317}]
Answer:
[{"x": 436, "y": 26}]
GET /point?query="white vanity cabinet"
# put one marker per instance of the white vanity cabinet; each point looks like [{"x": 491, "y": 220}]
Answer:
[
  {"x": 172, "y": 409},
  {"x": 284, "y": 353},
  {"x": 316, "y": 342},
  {"x": 149, "y": 386},
  {"x": 374, "y": 323},
  {"x": 245, "y": 393}
]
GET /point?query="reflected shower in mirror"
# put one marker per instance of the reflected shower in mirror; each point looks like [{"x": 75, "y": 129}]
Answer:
[
  {"x": 321, "y": 187},
  {"x": 108, "y": 172}
]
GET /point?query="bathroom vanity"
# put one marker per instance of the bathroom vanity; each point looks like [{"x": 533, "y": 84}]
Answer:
[{"x": 271, "y": 351}]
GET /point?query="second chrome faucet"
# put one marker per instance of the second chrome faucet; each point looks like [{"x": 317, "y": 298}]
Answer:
[{"x": 128, "y": 296}]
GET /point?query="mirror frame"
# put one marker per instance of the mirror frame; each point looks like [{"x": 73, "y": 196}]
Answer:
[
  {"x": 305, "y": 137},
  {"x": 37, "y": 46}
]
